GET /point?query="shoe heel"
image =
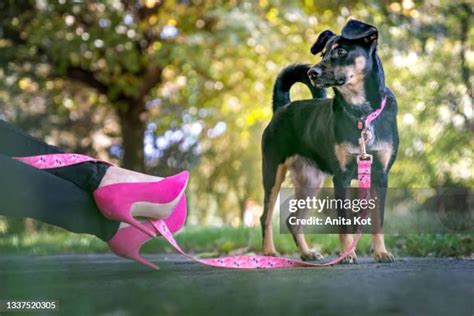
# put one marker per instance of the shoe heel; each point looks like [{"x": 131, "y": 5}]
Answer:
[
  {"x": 132, "y": 221},
  {"x": 144, "y": 261},
  {"x": 127, "y": 243}
]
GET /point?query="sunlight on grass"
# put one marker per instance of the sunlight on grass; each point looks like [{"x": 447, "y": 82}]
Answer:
[{"x": 228, "y": 240}]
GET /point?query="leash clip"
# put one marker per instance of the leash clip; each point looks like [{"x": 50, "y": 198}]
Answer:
[
  {"x": 366, "y": 157},
  {"x": 364, "y": 138},
  {"x": 366, "y": 135}
]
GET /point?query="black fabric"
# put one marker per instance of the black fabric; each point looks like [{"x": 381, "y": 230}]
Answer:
[{"x": 59, "y": 196}]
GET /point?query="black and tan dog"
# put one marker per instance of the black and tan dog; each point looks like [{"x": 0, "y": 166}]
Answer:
[{"x": 317, "y": 137}]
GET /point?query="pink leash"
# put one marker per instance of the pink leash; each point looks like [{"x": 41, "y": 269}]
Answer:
[
  {"x": 364, "y": 164},
  {"x": 57, "y": 160},
  {"x": 237, "y": 262}
]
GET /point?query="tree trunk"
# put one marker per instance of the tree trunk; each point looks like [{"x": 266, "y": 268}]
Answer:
[
  {"x": 242, "y": 207},
  {"x": 133, "y": 124},
  {"x": 465, "y": 18}
]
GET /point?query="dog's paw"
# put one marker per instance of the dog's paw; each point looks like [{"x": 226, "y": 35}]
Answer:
[
  {"x": 311, "y": 256},
  {"x": 383, "y": 257},
  {"x": 271, "y": 253},
  {"x": 349, "y": 259}
]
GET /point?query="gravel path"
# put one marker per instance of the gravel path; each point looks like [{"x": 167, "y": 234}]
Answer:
[{"x": 107, "y": 285}]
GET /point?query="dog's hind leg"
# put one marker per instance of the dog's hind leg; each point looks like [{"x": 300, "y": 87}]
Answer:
[
  {"x": 273, "y": 176},
  {"x": 308, "y": 180}
]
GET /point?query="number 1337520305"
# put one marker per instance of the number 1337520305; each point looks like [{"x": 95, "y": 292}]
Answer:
[{"x": 27, "y": 305}]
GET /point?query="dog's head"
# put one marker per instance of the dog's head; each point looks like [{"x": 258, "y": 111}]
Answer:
[{"x": 346, "y": 58}]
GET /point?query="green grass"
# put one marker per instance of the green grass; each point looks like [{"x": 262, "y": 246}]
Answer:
[{"x": 227, "y": 240}]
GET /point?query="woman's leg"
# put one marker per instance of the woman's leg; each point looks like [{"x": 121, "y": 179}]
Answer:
[
  {"x": 16, "y": 143},
  {"x": 87, "y": 176},
  {"x": 29, "y": 192}
]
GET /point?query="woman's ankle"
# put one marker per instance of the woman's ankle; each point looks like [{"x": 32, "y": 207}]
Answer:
[{"x": 120, "y": 175}]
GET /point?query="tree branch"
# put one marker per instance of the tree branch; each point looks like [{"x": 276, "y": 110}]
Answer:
[
  {"x": 141, "y": 11},
  {"x": 152, "y": 78},
  {"x": 86, "y": 77}
]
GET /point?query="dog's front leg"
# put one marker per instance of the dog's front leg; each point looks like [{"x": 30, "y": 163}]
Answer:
[
  {"x": 379, "y": 192},
  {"x": 342, "y": 182}
]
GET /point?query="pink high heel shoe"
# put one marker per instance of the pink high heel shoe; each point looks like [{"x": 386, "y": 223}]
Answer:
[
  {"x": 155, "y": 200},
  {"x": 128, "y": 240}
]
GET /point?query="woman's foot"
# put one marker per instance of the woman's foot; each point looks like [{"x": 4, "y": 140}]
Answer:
[
  {"x": 124, "y": 195},
  {"x": 120, "y": 175}
]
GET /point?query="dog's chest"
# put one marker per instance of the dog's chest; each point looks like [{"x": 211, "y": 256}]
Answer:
[
  {"x": 372, "y": 148},
  {"x": 346, "y": 152}
]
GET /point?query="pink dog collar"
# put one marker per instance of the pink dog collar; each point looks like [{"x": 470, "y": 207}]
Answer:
[{"x": 364, "y": 122}]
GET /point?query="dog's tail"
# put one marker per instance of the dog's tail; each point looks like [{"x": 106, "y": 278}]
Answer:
[{"x": 287, "y": 78}]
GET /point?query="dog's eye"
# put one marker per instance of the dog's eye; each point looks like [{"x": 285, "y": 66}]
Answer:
[{"x": 338, "y": 52}]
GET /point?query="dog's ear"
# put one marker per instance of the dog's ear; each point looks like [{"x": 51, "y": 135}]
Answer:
[
  {"x": 320, "y": 43},
  {"x": 356, "y": 30}
]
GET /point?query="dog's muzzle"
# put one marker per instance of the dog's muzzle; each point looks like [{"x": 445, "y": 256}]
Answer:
[
  {"x": 315, "y": 73},
  {"x": 320, "y": 79}
]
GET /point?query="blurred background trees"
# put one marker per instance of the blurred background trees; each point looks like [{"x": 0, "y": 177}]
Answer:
[{"x": 162, "y": 86}]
